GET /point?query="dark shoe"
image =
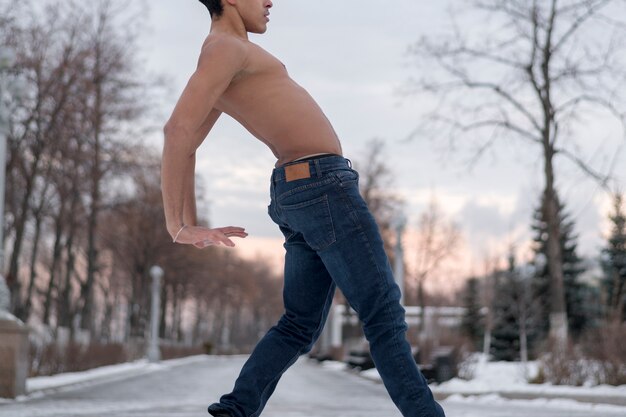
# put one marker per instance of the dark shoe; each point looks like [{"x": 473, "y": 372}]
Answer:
[{"x": 219, "y": 413}]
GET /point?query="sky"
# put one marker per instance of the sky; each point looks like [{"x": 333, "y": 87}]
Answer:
[{"x": 351, "y": 55}]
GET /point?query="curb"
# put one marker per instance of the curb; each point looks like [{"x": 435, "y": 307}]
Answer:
[{"x": 519, "y": 395}]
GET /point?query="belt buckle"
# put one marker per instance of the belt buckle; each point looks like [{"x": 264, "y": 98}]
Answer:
[{"x": 297, "y": 171}]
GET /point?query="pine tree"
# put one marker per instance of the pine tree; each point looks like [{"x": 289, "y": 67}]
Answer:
[
  {"x": 511, "y": 307},
  {"x": 614, "y": 262},
  {"x": 471, "y": 325},
  {"x": 577, "y": 294},
  {"x": 505, "y": 340}
]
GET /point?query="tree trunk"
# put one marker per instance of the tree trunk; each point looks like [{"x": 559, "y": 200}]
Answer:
[
  {"x": 33, "y": 265},
  {"x": 523, "y": 338},
  {"x": 56, "y": 259},
  {"x": 558, "y": 313},
  {"x": 65, "y": 311},
  {"x": 105, "y": 330},
  {"x": 96, "y": 176},
  {"x": 13, "y": 280},
  {"x": 38, "y": 214}
]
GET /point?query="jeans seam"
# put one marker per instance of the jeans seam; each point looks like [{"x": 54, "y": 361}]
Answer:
[
  {"x": 386, "y": 287},
  {"x": 320, "y": 325},
  {"x": 350, "y": 207}
]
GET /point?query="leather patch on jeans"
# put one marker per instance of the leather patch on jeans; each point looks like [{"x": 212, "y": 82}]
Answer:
[{"x": 297, "y": 171}]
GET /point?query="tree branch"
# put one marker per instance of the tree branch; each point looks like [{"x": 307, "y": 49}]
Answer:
[
  {"x": 591, "y": 11},
  {"x": 590, "y": 98},
  {"x": 602, "y": 179},
  {"x": 491, "y": 122}
]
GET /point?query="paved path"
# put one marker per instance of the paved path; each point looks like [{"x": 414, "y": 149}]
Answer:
[{"x": 306, "y": 390}]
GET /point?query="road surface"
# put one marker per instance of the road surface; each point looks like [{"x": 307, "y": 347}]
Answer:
[{"x": 306, "y": 390}]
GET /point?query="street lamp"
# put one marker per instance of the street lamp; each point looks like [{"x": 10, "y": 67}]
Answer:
[{"x": 154, "y": 354}]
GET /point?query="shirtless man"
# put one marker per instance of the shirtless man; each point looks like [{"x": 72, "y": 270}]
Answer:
[{"x": 331, "y": 238}]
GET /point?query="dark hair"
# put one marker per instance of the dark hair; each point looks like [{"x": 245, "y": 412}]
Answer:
[{"x": 215, "y": 7}]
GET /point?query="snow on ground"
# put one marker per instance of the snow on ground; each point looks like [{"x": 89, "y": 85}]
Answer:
[
  {"x": 43, "y": 383},
  {"x": 503, "y": 377},
  {"x": 542, "y": 403},
  {"x": 511, "y": 377},
  {"x": 183, "y": 388}
]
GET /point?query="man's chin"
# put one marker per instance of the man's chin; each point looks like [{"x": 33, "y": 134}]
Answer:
[{"x": 258, "y": 30}]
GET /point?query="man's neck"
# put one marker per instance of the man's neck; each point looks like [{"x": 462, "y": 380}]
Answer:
[{"x": 229, "y": 24}]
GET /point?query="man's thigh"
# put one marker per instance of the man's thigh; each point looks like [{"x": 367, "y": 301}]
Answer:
[{"x": 308, "y": 287}]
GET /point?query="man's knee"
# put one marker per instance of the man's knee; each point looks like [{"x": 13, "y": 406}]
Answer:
[
  {"x": 298, "y": 329},
  {"x": 386, "y": 320}
]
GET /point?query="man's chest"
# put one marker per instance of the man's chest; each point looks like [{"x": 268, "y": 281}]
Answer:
[{"x": 261, "y": 62}]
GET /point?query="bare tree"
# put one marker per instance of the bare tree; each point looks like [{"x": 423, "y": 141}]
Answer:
[
  {"x": 115, "y": 96},
  {"x": 44, "y": 63},
  {"x": 84, "y": 214},
  {"x": 437, "y": 240},
  {"x": 532, "y": 73},
  {"x": 375, "y": 183},
  {"x": 75, "y": 129}
]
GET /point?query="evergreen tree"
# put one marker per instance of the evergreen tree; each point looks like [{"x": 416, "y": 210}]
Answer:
[
  {"x": 505, "y": 334},
  {"x": 472, "y": 323},
  {"x": 614, "y": 262},
  {"x": 577, "y": 294}
]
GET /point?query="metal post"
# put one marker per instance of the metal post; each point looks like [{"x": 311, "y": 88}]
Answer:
[
  {"x": 7, "y": 59},
  {"x": 14, "y": 345},
  {"x": 154, "y": 354},
  {"x": 400, "y": 224}
]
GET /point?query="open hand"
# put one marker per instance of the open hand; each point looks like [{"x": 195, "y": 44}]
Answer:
[{"x": 201, "y": 237}]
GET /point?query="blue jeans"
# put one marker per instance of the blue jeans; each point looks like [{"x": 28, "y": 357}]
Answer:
[{"x": 331, "y": 239}]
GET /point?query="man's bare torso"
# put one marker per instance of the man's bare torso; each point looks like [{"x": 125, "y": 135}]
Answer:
[{"x": 276, "y": 110}]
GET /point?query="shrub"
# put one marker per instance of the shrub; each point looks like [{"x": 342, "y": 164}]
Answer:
[
  {"x": 606, "y": 345},
  {"x": 600, "y": 358}
]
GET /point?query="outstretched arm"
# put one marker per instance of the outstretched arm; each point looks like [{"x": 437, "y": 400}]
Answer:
[
  {"x": 193, "y": 117},
  {"x": 190, "y": 216}
]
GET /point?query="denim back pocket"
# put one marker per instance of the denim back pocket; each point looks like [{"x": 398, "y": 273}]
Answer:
[{"x": 312, "y": 218}]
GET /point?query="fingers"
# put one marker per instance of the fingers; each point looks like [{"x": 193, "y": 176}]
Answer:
[
  {"x": 215, "y": 239},
  {"x": 233, "y": 231},
  {"x": 226, "y": 241},
  {"x": 201, "y": 237}
]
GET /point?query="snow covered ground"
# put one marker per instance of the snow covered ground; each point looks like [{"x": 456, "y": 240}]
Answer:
[
  {"x": 104, "y": 373},
  {"x": 503, "y": 377},
  {"x": 184, "y": 388},
  {"x": 510, "y": 379}
]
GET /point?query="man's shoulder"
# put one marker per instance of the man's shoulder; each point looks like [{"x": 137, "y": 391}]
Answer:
[
  {"x": 226, "y": 52},
  {"x": 224, "y": 44}
]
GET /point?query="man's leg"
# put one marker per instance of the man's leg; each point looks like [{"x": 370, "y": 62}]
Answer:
[
  {"x": 308, "y": 293},
  {"x": 360, "y": 268}
]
